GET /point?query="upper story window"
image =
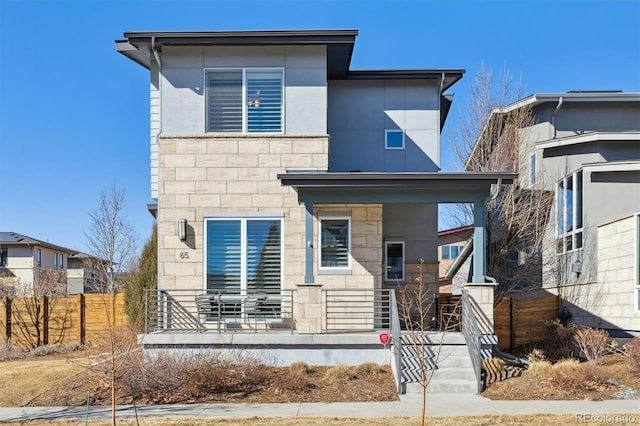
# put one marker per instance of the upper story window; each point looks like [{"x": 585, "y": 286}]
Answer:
[
  {"x": 244, "y": 100},
  {"x": 38, "y": 257},
  {"x": 450, "y": 252},
  {"x": 55, "y": 260},
  {"x": 394, "y": 139},
  {"x": 569, "y": 213},
  {"x": 4, "y": 253}
]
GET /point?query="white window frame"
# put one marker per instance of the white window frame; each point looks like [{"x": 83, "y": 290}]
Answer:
[
  {"x": 532, "y": 169},
  {"x": 243, "y": 246},
  {"x": 386, "y": 136},
  {"x": 245, "y": 113},
  {"x": 563, "y": 237},
  {"x": 386, "y": 260},
  {"x": 334, "y": 269}
]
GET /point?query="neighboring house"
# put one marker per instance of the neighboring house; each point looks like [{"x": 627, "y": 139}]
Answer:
[
  {"x": 23, "y": 260},
  {"x": 26, "y": 261},
  {"x": 287, "y": 182},
  {"x": 451, "y": 242},
  {"x": 584, "y": 147}
]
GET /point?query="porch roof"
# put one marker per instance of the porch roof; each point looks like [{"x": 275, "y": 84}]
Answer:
[
  {"x": 316, "y": 187},
  {"x": 358, "y": 187}
]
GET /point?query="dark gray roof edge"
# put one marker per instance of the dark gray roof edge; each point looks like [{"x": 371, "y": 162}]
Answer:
[
  {"x": 451, "y": 75},
  {"x": 407, "y": 176},
  {"x": 266, "y": 37},
  {"x": 20, "y": 239}
]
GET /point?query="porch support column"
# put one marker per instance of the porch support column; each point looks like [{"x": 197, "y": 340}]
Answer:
[
  {"x": 308, "y": 241},
  {"x": 479, "y": 243}
]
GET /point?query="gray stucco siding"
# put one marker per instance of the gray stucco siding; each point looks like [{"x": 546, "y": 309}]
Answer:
[
  {"x": 183, "y": 88},
  {"x": 416, "y": 225},
  {"x": 359, "y": 112}
]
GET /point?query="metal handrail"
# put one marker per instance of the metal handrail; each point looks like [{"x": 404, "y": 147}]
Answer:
[
  {"x": 472, "y": 335},
  {"x": 396, "y": 339},
  {"x": 352, "y": 310},
  {"x": 202, "y": 310}
]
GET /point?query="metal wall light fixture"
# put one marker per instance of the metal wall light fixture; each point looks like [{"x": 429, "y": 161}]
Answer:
[{"x": 182, "y": 229}]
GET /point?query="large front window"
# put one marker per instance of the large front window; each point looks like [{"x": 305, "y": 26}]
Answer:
[
  {"x": 244, "y": 255},
  {"x": 569, "y": 213},
  {"x": 244, "y": 100}
]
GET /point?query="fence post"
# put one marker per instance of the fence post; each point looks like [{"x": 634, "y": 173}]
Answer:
[
  {"x": 45, "y": 320},
  {"x": 81, "y": 318},
  {"x": 512, "y": 324}
]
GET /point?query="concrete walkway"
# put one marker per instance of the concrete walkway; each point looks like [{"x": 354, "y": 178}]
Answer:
[{"x": 441, "y": 405}]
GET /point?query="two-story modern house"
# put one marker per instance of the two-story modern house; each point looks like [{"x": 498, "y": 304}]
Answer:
[
  {"x": 583, "y": 147},
  {"x": 293, "y": 193},
  {"x": 24, "y": 259}
]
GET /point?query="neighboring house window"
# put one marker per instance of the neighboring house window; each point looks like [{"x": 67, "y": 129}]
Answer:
[
  {"x": 569, "y": 213},
  {"x": 244, "y": 100},
  {"x": 532, "y": 169},
  {"x": 3, "y": 256},
  {"x": 38, "y": 257},
  {"x": 55, "y": 260},
  {"x": 244, "y": 255},
  {"x": 394, "y": 260},
  {"x": 335, "y": 243},
  {"x": 450, "y": 252},
  {"x": 394, "y": 139},
  {"x": 61, "y": 261}
]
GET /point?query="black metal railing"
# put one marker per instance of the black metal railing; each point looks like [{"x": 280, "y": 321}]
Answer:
[{"x": 347, "y": 310}]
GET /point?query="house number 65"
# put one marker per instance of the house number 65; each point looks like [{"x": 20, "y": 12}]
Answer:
[{"x": 184, "y": 255}]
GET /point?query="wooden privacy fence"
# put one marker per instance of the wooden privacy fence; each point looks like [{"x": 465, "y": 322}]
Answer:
[
  {"x": 520, "y": 321},
  {"x": 29, "y": 322}
]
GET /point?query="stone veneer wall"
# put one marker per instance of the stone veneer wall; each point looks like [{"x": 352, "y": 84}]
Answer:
[{"x": 229, "y": 174}]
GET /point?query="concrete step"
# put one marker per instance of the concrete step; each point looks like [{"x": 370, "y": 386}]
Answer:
[
  {"x": 433, "y": 338},
  {"x": 451, "y": 386},
  {"x": 453, "y": 361}
]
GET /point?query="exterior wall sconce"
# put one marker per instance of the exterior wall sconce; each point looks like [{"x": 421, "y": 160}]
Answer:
[{"x": 182, "y": 229}]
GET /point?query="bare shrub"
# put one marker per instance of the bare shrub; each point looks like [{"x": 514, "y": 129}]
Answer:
[
  {"x": 632, "y": 352},
  {"x": 536, "y": 355},
  {"x": 539, "y": 369},
  {"x": 559, "y": 343},
  {"x": 339, "y": 374},
  {"x": 592, "y": 342},
  {"x": 55, "y": 349},
  {"x": 571, "y": 374},
  {"x": 299, "y": 368},
  {"x": 369, "y": 369},
  {"x": 8, "y": 353}
]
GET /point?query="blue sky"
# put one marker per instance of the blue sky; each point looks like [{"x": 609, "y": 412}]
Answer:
[{"x": 74, "y": 114}]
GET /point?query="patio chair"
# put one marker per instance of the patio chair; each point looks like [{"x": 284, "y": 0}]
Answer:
[{"x": 208, "y": 306}]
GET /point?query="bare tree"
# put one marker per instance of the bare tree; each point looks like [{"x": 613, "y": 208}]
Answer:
[
  {"x": 113, "y": 241},
  {"x": 492, "y": 136}
]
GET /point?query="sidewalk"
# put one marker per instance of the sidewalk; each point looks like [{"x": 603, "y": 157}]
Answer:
[{"x": 440, "y": 405}]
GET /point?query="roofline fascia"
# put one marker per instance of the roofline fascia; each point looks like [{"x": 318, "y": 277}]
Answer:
[{"x": 588, "y": 137}]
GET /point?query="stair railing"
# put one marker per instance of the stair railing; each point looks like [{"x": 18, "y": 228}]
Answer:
[{"x": 472, "y": 335}]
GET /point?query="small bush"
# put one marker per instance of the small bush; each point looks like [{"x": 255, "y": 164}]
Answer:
[
  {"x": 54, "y": 349},
  {"x": 369, "y": 369},
  {"x": 536, "y": 355},
  {"x": 632, "y": 352},
  {"x": 559, "y": 343},
  {"x": 539, "y": 369},
  {"x": 572, "y": 374},
  {"x": 299, "y": 368},
  {"x": 339, "y": 374},
  {"x": 7, "y": 353},
  {"x": 592, "y": 342}
]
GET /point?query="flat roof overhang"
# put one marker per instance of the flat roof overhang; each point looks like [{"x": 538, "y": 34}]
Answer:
[
  {"x": 138, "y": 45},
  {"x": 329, "y": 187}
]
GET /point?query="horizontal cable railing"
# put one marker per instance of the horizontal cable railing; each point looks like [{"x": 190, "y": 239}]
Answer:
[
  {"x": 471, "y": 332},
  {"x": 356, "y": 310},
  {"x": 200, "y": 310}
]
